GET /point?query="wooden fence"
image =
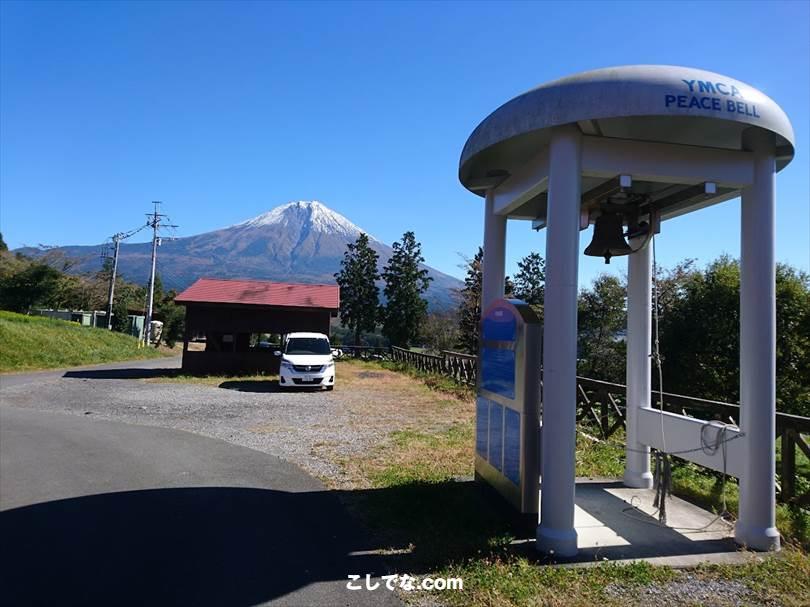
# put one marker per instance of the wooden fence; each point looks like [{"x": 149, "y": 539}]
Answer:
[
  {"x": 601, "y": 405},
  {"x": 365, "y": 352},
  {"x": 460, "y": 367}
]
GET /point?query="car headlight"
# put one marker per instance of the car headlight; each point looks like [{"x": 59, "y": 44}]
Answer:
[{"x": 286, "y": 365}]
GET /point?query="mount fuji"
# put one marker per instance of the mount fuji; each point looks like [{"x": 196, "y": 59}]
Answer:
[{"x": 300, "y": 241}]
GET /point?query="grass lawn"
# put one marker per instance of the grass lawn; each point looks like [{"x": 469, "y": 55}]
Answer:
[
  {"x": 416, "y": 494},
  {"x": 29, "y": 343}
]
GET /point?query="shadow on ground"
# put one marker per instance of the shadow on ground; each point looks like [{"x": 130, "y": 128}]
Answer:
[
  {"x": 447, "y": 522},
  {"x": 646, "y": 537},
  {"x": 133, "y": 373},
  {"x": 252, "y": 385},
  {"x": 239, "y": 385},
  {"x": 233, "y": 546},
  {"x": 195, "y": 546},
  {"x": 431, "y": 525},
  {"x": 242, "y": 546}
]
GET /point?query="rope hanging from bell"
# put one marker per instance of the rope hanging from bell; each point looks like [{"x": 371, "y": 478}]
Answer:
[{"x": 662, "y": 483}]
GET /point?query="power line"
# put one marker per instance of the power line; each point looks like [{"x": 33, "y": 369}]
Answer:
[{"x": 116, "y": 240}]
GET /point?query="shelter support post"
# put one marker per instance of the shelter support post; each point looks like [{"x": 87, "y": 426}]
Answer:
[
  {"x": 756, "y": 526},
  {"x": 494, "y": 261},
  {"x": 639, "y": 341},
  {"x": 556, "y": 534},
  {"x": 186, "y": 330}
]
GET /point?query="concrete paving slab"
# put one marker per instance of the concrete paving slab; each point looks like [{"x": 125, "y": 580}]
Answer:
[{"x": 616, "y": 523}]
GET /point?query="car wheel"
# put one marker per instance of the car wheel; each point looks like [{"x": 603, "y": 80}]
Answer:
[{"x": 329, "y": 388}]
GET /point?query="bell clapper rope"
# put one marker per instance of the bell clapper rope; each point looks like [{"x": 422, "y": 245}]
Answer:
[{"x": 662, "y": 475}]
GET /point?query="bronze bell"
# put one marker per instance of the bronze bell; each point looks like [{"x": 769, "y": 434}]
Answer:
[{"x": 608, "y": 238}]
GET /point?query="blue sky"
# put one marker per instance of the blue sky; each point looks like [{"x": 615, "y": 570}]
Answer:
[{"x": 225, "y": 110}]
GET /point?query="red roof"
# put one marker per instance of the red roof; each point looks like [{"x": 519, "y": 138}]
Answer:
[{"x": 261, "y": 293}]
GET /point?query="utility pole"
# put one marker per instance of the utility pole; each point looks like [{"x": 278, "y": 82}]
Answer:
[
  {"x": 116, "y": 238},
  {"x": 117, "y": 246},
  {"x": 153, "y": 221}
]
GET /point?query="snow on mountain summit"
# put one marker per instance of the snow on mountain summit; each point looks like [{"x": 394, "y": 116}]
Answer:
[{"x": 311, "y": 213}]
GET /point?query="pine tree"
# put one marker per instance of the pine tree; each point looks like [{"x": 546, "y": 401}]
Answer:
[
  {"x": 530, "y": 281},
  {"x": 469, "y": 309},
  {"x": 405, "y": 282},
  {"x": 359, "y": 295}
]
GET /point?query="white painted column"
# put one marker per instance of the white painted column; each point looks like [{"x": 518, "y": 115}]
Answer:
[
  {"x": 639, "y": 345},
  {"x": 494, "y": 262},
  {"x": 556, "y": 534},
  {"x": 756, "y": 526}
]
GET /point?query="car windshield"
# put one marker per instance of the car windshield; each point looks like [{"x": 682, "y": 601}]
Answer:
[{"x": 308, "y": 345}]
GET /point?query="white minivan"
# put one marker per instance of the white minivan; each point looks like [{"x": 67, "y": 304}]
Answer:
[{"x": 306, "y": 362}]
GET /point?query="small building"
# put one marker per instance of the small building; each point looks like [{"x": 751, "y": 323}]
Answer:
[
  {"x": 235, "y": 314},
  {"x": 94, "y": 318},
  {"x": 91, "y": 318}
]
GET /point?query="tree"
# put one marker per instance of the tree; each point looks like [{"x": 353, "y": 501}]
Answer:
[
  {"x": 173, "y": 317},
  {"x": 33, "y": 284},
  {"x": 792, "y": 340},
  {"x": 469, "y": 307},
  {"x": 170, "y": 314},
  {"x": 127, "y": 295},
  {"x": 3, "y": 245},
  {"x": 73, "y": 293},
  {"x": 157, "y": 292},
  {"x": 530, "y": 281},
  {"x": 508, "y": 287},
  {"x": 602, "y": 319},
  {"x": 700, "y": 339},
  {"x": 11, "y": 263},
  {"x": 406, "y": 280},
  {"x": 440, "y": 331},
  {"x": 359, "y": 294},
  {"x": 120, "y": 312}
]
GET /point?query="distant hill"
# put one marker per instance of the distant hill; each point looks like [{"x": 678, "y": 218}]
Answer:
[{"x": 300, "y": 241}]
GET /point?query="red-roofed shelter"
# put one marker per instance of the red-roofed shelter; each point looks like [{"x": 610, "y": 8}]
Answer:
[{"x": 231, "y": 314}]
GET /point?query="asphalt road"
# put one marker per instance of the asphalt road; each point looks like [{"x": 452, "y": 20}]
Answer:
[{"x": 103, "y": 512}]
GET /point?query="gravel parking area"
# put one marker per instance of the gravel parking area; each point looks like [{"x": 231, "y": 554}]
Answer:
[
  {"x": 316, "y": 430},
  {"x": 687, "y": 590}
]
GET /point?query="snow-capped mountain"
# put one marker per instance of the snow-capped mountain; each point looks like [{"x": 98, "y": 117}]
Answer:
[
  {"x": 301, "y": 241},
  {"x": 316, "y": 215}
]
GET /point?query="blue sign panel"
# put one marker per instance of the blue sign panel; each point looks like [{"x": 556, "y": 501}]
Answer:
[
  {"x": 499, "y": 325},
  {"x": 511, "y": 446},
  {"x": 481, "y": 426},
  {"x": 498, "y": 371},
  {"x": 495, "y": 435}
]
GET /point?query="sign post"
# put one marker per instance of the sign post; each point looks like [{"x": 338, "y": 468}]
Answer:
[{"x": 507, "y": 424}]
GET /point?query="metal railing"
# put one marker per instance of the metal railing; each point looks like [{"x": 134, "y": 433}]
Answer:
[{"x": 602, "y": 405}]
